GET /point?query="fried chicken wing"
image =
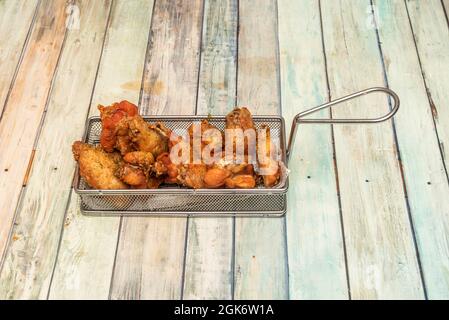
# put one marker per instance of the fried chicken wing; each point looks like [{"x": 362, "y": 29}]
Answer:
[
  {"x": 140, "y": 158},
  {"x": 146, "y": 137},
  {"x": 145, "y": 151},
  {"x": 269, "y": 168},
  {"x": 134, "y": 176},
  {"x": 192, "y": 175},
  {"x": 114, "y": 133},
  {"x": 98, "y": 167},
  {"x": 125, "y": 130}
]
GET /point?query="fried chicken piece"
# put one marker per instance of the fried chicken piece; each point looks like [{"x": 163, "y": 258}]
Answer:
[
  {"x": 193, "y": 176},
  {"x": 190, "y": 174},
  {"x": 269, "y": 168},
  {"x": 114, "y": 133},
  {"x": 242, "y": 181},
  {"x": 98, "y": 167},
  {"x": 134, "y": 176},
  {"x": 125, "y": 130},
  {"x": 140, "y": 158},
  {"x": 154, "y": 182},
  {"x": 216, "y": 177},
  {"x": 149, "y": 138},
  {"x": 239, "y": 118}
]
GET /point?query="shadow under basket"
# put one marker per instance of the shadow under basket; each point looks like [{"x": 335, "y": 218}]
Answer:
[{"x": 180, "y": 201}]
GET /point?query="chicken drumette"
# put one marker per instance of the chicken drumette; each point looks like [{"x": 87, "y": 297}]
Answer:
[
  {"x": 97, "y": 167},
  {"x": 125, "y": 130}
]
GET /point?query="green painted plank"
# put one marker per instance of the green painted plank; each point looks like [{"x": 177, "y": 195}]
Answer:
[
  {"x": 32, "y": 252},
  {"x": 315, "y": 243},
  {"x": 425, "y": 176},
  {"x": 260, "y": 244},
  {"x": 88, "y": 245},
  {"x": 381, "y": 255},
  {"x": 209, "y": 252}
]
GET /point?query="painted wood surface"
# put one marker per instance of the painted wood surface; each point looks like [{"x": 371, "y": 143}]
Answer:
[
  {"x": 86, "y": 258},
  {"x": 154, "y": 269},
  {"x": 32, "y": 253},
  {"x": 209, "y": 252},
  {"x": 382, "y": 262},
  {"x": 431, "y": 33},
  {"x": 445, "y": 4},
  {"x": 315, "y": 243},
  {"x": 260, "y": 243},
  {"x": 167, "y": 258},
  {"x": 425, "y": 176},
  {"x": 26, "y": 104},
  {"x": 16, "y": 18}
]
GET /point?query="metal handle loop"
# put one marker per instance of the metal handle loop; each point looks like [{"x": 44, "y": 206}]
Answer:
[{"x": 299, "y": 117}]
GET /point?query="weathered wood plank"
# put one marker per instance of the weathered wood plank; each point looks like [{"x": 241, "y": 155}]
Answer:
[
  {"x": 382, "y": 261},
  {"x": 209, "y": 252},
  {"x": 315, "y": 244},
  {"x": 445, "y": 4},
  {"x": 88, "y": 246},
  {"x": 431, "y": 33},
  {"x": 26, "y": 103},
  {"x": 153, "y": 269},
  {"x": 16, "y": 19},
  {"x": 260, "y": 244},
  {"x": 425, "y": 176},
  {"x": 32, "y": 253}
]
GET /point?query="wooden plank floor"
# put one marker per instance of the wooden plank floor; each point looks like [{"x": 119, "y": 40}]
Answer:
[{"x": 368, "y": 216}]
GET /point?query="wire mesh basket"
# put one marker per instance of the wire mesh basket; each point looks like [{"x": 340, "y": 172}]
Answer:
[{"x": 180, "y": 201}]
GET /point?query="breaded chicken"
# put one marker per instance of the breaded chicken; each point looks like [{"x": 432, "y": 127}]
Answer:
[
  {"x": 114, "y": 133},
  {"x": 134, "y": 176},
  {"x": 146, "y": 137},
  {"x": 123, "y": 129},
  {"x": 97, "y": 167}
]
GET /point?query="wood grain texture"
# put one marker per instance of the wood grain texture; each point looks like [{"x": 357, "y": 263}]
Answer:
[
  {"x": 445, "y": 4},
  {"x": 382, "y": 261},
  {"x": 88, "y": 245},
  {"x": 431, "y": 34},
  {"x": 153, "y": 269},
  {"x": 424, "y": 171},
  {"x": 22, "y": 114},
  {"x": 260, "y": 244},
  {"x": 31, "y": 256},
  {"x": 16, "y": 19},
  {"x": 209, "y": 252},
  {"x": 315, "y": 244}
]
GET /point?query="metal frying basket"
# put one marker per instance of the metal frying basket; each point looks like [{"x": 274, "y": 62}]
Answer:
[{"x": 179, "y": 201}]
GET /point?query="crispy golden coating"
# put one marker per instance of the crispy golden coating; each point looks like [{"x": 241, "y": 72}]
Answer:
[
  {"x": 125, "y": 130},
  {"x": 140, "y": 158},
  {"x": 269, "y": 167},
  {"x": 143, "y": 160},
  {"x": 134, "y": 176},
  {"x": 240, "y": 118},
  {"x": 146, "y": 137},
  {"x": 216, "y": 177},
  {"x": 114, "y": 133},
  {"x": 242, "y": 181},
  {"x": 98, "y": 167}
]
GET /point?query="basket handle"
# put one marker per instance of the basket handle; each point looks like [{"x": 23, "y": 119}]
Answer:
[{"x": 299, "y": 117}]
